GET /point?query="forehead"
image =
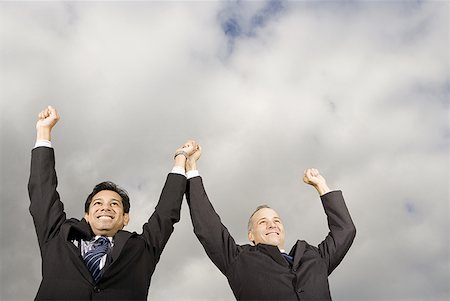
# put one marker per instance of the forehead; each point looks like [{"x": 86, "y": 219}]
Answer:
[
  {"x": 107, "y": 195},
  {"x": 267, "y": 213}
]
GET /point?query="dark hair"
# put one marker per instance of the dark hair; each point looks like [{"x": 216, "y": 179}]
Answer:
[{"x": 107, "y": 185}]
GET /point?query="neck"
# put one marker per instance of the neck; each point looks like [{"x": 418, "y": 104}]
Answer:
[{"x": 105, "y": 233}]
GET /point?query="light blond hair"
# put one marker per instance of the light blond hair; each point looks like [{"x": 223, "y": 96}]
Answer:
[{"x": 250, "y": 224}]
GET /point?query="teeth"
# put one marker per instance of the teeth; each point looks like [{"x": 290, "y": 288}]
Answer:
[{"x": 104, "y": 217}]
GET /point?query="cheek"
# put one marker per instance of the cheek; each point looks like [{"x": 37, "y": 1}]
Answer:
[
  {"x": 90, "y": 214},
  {"x": 261, "y": 234}
]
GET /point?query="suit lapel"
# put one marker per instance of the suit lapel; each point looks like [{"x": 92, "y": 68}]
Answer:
[
  {"x": 297, "y": 251},
  {"x": 76, "y": 231},
  {"x": 273, "y": 252},
  {"x": 119, "y": 242}
]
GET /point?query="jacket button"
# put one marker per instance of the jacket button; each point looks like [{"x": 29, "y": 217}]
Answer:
[{"x": 96, "y": 289}]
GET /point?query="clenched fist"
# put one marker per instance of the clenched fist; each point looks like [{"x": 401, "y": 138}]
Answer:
[
  {"x": 47, "y": 119},
  {"x": 313, "y": 177}
]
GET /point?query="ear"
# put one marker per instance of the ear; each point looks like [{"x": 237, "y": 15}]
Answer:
[
  {"x": 86, "y": 217},
  {"x": 126, "y": 219},
  {"x": 251, "y": 237}
]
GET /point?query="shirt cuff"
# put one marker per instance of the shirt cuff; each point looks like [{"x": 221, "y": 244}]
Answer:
[
  {"x": 179, "y": 170},
  {"x": 45, "y": 143},
  {"x": 192, "y": 173}
]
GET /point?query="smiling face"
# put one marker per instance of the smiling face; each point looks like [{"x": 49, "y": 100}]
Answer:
[
  {"x": 106, "y": 215},
  {"x": 266, "y": 228}
]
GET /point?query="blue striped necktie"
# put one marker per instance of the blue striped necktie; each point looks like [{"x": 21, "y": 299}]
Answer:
[{"x": 93, "y": 257}]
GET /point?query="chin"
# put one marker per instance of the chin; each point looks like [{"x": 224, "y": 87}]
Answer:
[{"x": 271, "y": 243}]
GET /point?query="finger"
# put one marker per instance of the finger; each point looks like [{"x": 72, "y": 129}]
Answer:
[
  {"x": 43, "y": 114},
  {"x": 306, "y": 174},
  {"x": 52, "y": 111},
  {"x": 199, "y": 151}
]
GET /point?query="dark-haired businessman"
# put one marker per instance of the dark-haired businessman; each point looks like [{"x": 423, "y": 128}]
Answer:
[
  {"x": 94, "y": 258},
  {"x": 263, "y": 270}
]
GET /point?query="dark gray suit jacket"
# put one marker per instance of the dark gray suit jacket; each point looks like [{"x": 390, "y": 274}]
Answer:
[
  {"x": 260, "y": 272},
  {"x": 132, "y": 261}
]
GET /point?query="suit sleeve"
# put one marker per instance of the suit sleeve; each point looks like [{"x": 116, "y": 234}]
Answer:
[
  {"x": 159, "y": 227},
  {"x": 212, "y": 234},
  {"x": 46, "y": 208},
  {"x": 342, "y": 230}
]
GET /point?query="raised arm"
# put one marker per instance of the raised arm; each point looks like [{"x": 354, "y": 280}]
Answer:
[
  {"x": 46, "y": 208},
  {"x": 167, "y": 212},
  {"x": 212, "y": 234},
  {"x": 342, "y": 230}
]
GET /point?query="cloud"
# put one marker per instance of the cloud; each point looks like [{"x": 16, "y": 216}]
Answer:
[{"x": 269, "y": 88}]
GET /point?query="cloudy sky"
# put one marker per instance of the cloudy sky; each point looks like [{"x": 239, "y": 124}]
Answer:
[{"x": 359, "y": 90}]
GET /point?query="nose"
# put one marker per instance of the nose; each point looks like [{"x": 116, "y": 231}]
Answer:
[
  {"x": 271, "y": 225},
  {"x": 105, "y": 207}
]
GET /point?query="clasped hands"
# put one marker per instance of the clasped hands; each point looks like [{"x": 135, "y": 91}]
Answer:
[{"x": 187, "y": 155}]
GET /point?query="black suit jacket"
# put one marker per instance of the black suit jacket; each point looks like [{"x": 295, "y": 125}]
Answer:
[
  {"x": 260, "y": 272},
  {"x": 132, "y": 261}
]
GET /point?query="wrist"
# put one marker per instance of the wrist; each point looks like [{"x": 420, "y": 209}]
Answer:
[
  {"x": 322, "y": 188},
  {"x": 180, "y": 160},
  {"x": 181, "y": 153},
  {"x": 191, "y": 165},
  {"x": 43, "y": 134}
]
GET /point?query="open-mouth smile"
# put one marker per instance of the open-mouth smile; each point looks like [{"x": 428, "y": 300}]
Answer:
[{"x": 105, "y": 217}]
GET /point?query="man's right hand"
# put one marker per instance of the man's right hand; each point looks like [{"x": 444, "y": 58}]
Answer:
[
  {"x": 47, "y": 119},
  {"x": 191, "y": 163}
]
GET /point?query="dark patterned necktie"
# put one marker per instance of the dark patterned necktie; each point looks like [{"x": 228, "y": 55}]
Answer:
[
  {"x": 288, "y": 258},
  {"x": 93, "y": 257}
]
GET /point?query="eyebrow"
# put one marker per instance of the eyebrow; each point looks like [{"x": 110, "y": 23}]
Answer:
[
  {"x": 101, "y": 199},
  {"x": 276, "y": 217}
]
